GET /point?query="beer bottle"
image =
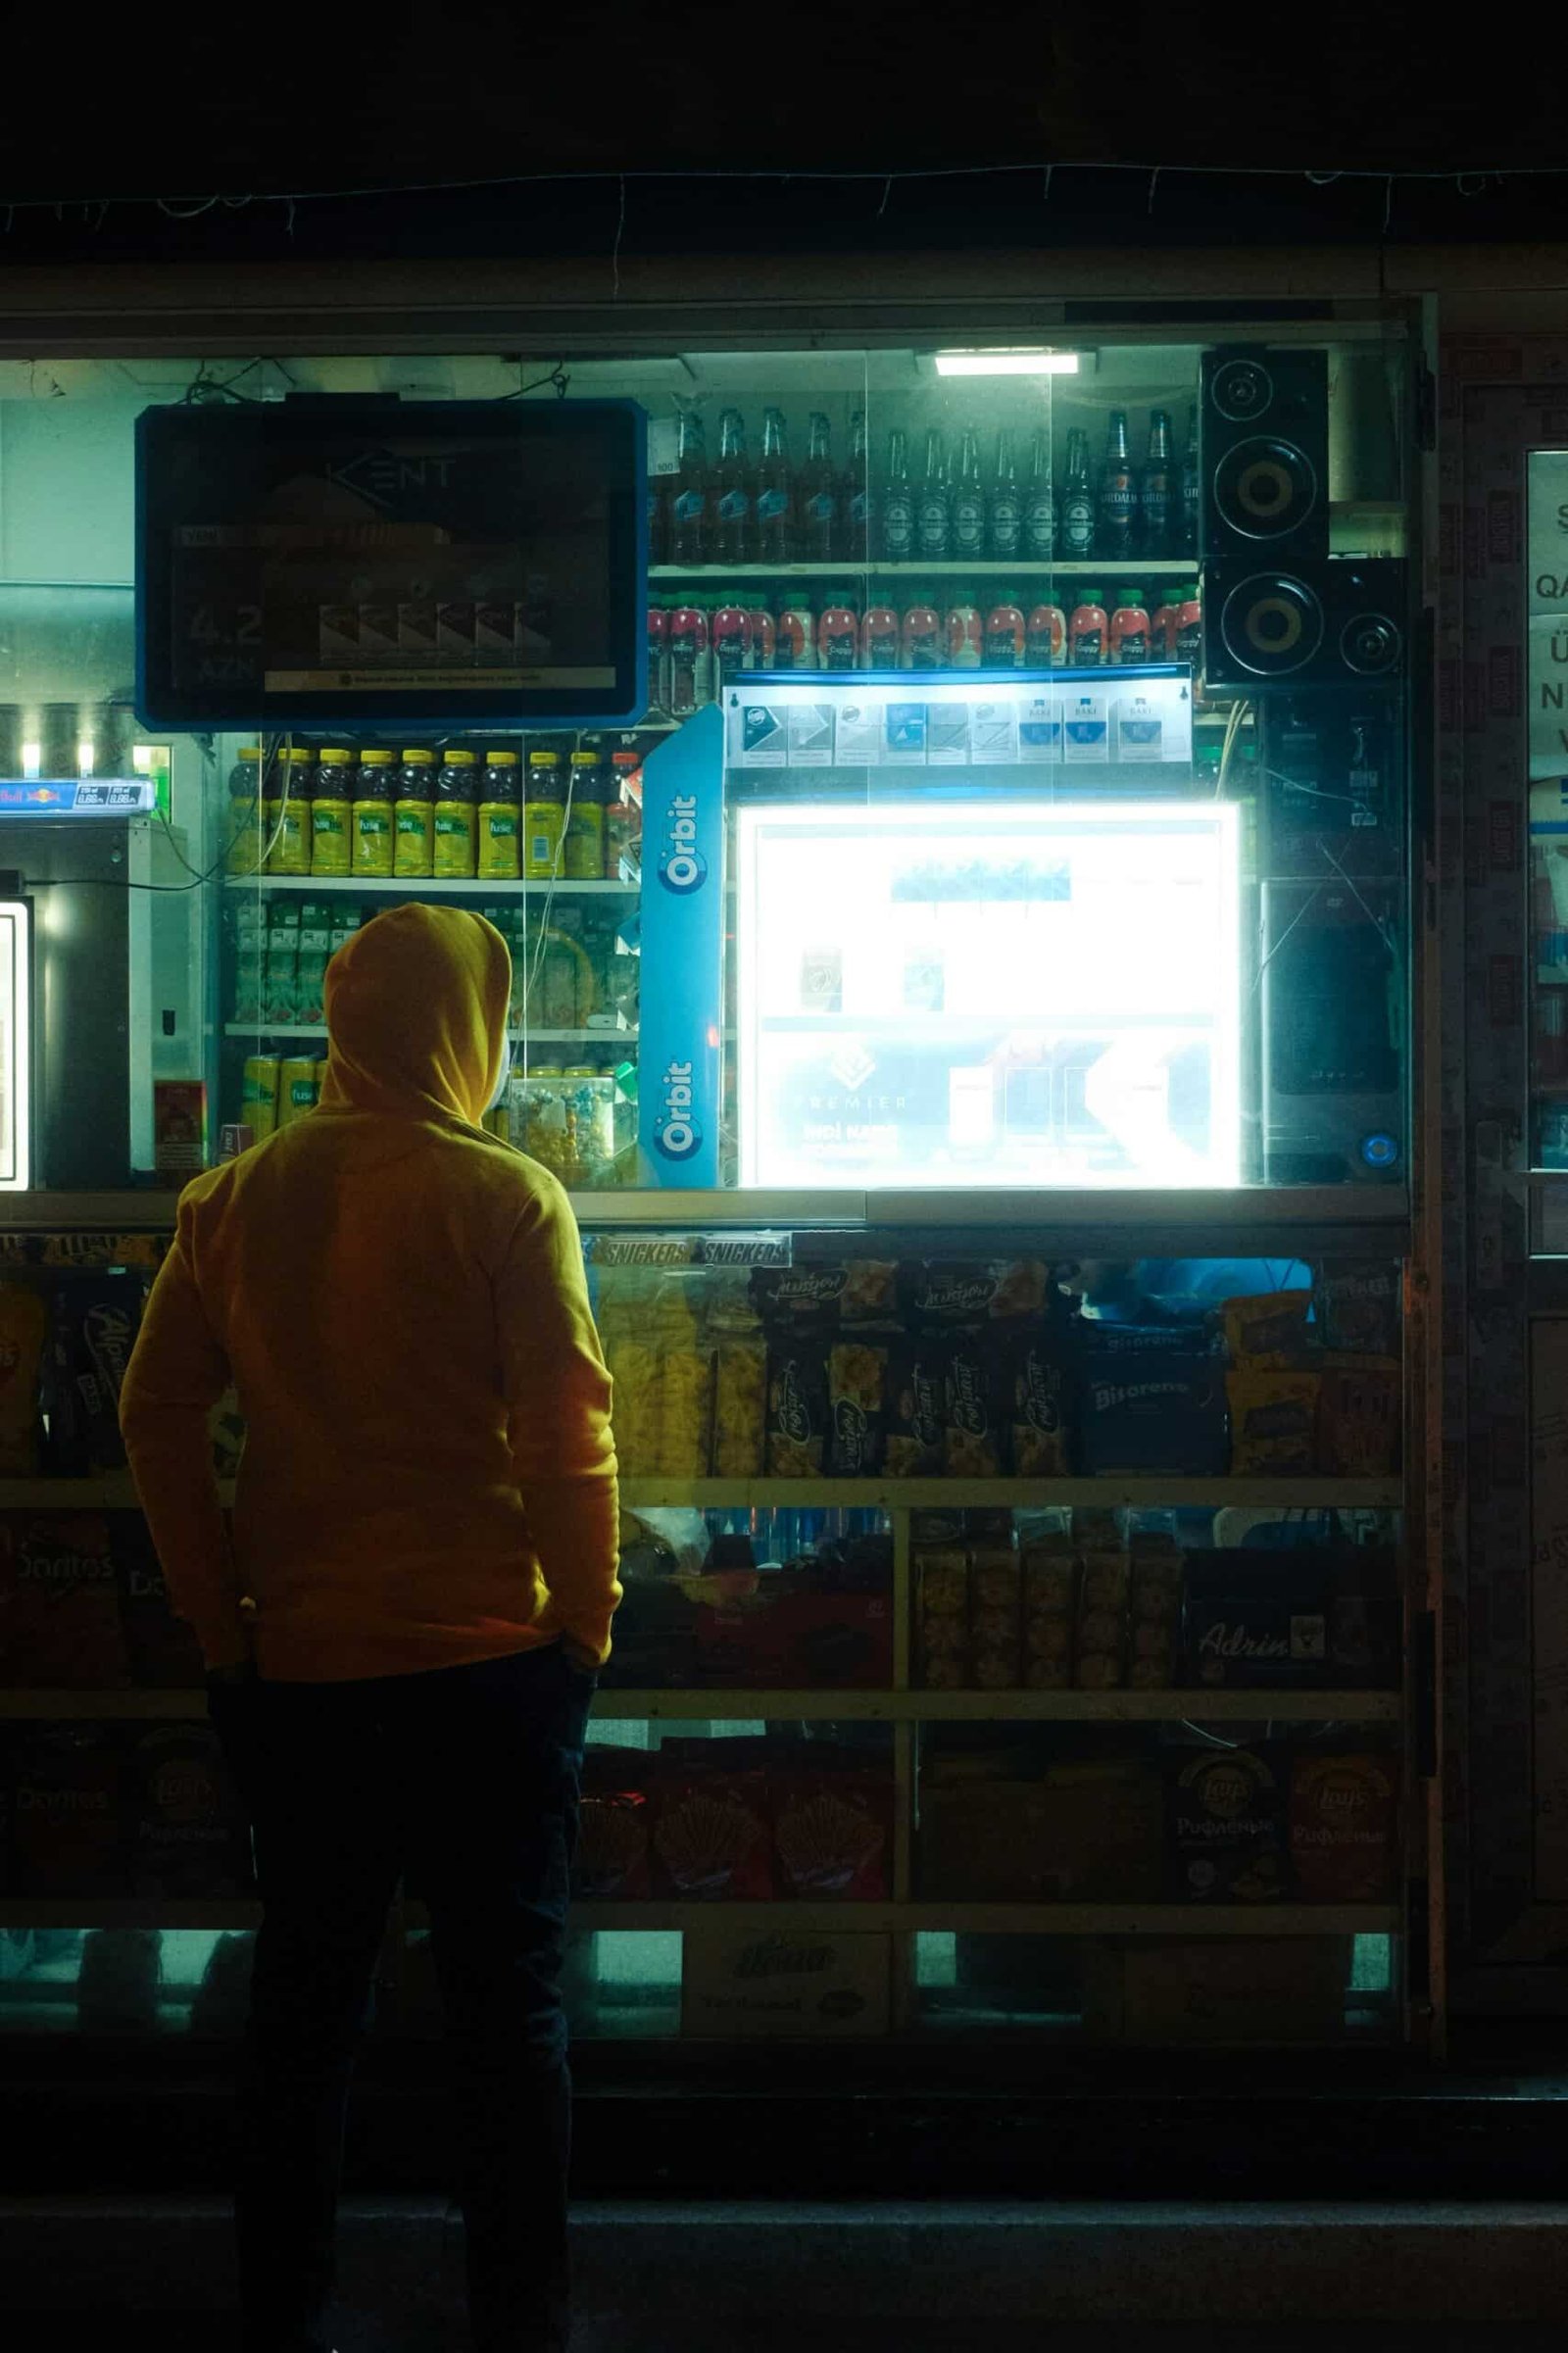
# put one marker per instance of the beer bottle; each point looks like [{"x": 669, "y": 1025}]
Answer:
[
  {"x": 898, "y": 502},
  {"x": 819, "y": 495},
  {"x": 732, "y": 493},
  {"x": 775, "y": 494},
  {"x": 969, "y": 500},
  {"x": 689, "y": 534},
  {"x": 855, "y": 496},
  {"x": 1040, "y": 507},
  {"x": 1156, "y": 492},
  {"x": 933, "y": 519},
  {"x": 1078, "y": 503},
  {"x": 1005, "y": 506},
  {"x": 1118, "y": 491},
  {"x": 1192, "y": 489}
]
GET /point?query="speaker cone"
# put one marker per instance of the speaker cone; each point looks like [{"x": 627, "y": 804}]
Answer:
[
  {"x": 1242, "y": 390},
  {"x": 1370, "y": 644},
  {"x": 1271, "y": 625},
  {"x": 1264, "y": 488}
]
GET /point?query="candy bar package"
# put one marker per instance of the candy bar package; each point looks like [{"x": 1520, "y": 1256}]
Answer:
[
  {"x": 1358, "y": 1306},
  {"x": 1344, "y": 1828},
  {"x": 950, "y": 1294},
  {"x": 1226, "y": 1828},
  {"x": 1358, "y": 1417},
  {"x": 68, "y": 1815},
  {"x": 163, "y": 1651},
  {"x": 1152, "y": 1400},
  {"x": 977, "y": 1412},
  {"x": 188, "y": 1835},
  {"x": 1100, "y": 1639},
  {"x": 1273, "y": 1421},
  {"x": 60, "y": 1615},
  {"x": 857, "y": 1375},
  {"x": 94, "y": 1319},
  {"x": 1270, "y": 1329}
]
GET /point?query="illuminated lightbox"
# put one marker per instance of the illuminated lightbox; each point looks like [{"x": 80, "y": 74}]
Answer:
[{"x": 1024, "y": 993}]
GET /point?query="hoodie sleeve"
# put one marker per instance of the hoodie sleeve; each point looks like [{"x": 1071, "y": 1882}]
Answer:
[
  {"x": 557, "y": 1397},
  {"x": 176, "y": 1374}
]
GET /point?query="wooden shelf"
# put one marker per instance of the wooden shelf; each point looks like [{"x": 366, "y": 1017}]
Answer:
[
  {"x": 897, "y": 1494},
  {"x": 819, "y": 1706},
  {"x": 527, "y": 1037},
  {"x": 1104, "y": 567},
  {"x": 929, "y": 1918},
  {"x": 423, "y": 886}
]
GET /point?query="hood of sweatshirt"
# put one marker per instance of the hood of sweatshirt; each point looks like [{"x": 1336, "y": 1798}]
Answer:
[{"x": 416, "y": 1007}]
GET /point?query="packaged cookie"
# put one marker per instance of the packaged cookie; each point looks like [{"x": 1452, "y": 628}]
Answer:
[
  {"x": 1050, "y": 1574},
  {"x": 849, "y": 1295},
  {"x": 799, "y": 1411},
  {"x": 1358, "y": 1418},
  {"x": 995, "y": 1612},
  {"x": 942, "y": 1617},
  {"x": 858, "y": 1400},
  {"x": 1100, "y": 1637},
  {"x": 740, "y": 1408},
  {"x": 1155, "y": 1614},
  {"x": 1039, "y": 1383},
  {"x": 710, "y": 1838},
  {"x": 976, "y": 1414},
  {"x": 1358, "y": 1306},
  {"x": 1270, "y": 1329},
  {"x": 917, "y": 1409},
  {"x": 1273, "y": 1421}
]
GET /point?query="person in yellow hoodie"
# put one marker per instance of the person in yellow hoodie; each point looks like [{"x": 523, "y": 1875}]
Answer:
[{"x": 402, "y": 1634}]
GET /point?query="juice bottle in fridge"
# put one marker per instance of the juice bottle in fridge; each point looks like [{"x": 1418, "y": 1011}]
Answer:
[
  {"x": 500, "y": 857},
  {"x": 583, "y": 842},
  {"x": 333, "y": 814},
  {"x": 413, "y": 814},
  {"x": 544, "y": 816},
  {"x": 457, "y": 807},
  {"x": 372, "y": 815},
  {"x": 286, "y": 810}
]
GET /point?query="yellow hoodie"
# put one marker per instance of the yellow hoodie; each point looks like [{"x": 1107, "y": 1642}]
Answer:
[{"x": 428, "y": 1475}]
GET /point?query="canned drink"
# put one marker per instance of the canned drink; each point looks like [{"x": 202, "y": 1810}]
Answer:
[
  {"x": 235, "y": 1137},
  {"x": 320, "y": 1079},
  {"x": 296, "y": 1089},
  {"x": 259, "y": 1089}
]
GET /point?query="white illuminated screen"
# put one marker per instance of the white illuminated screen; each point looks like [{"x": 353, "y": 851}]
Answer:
[
  {"x": 16, "y": 1043},
  {"x": 1042, "y": 994}
]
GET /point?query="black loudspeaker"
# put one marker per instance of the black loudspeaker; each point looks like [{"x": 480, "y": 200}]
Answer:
[
  {"x": 1263, "y": 455},
  {"x": 1338, "y": 622}
]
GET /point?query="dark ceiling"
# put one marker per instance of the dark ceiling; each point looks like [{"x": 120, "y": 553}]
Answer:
[{"x": 264, "y": 101}]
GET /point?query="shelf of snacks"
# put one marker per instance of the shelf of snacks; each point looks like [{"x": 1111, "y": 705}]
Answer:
[
  {"x": 826, "y": 1706},
  {"x": 424, "y": 886},
  {"x": 973, "y": 1918},
  {"x": 1107, "y": 1492}
]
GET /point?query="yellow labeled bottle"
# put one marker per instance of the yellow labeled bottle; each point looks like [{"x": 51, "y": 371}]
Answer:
[
  {"x": 414, "y": 813},
  {"x": 372, "y": 815},
  {"x": 584, "y": 854},
  {"x": 247, "y": 838},
  {"x": 456, "y": 790},
  {"x": 544, "y": 817},
  {"x": 286, "y": 809},
  {"x": 501, "y": 817},
  {"x": 333, "y": 814}
]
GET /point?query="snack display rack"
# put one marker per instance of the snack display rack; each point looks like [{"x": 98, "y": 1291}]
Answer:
[{"x": 903, "y": 1708}]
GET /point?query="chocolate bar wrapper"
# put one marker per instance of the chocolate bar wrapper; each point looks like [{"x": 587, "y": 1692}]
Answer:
[
  {"x": 858, "y": 1398},
  {"x": 1040, "y": 1391},
  {"x": 798, "y": 1409},
  {"x": 976, "y": 1421}
]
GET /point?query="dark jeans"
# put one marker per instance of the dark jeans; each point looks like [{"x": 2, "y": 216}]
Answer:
[{"x": 468, "y": 1778}]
